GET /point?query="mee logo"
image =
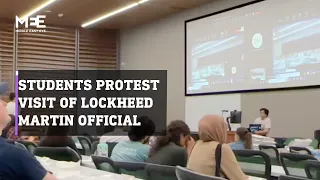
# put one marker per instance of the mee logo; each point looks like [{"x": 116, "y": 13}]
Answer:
[{"x": 31, "y": 24}]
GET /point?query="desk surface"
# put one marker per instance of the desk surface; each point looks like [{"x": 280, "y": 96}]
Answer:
[{"x": 71, "y": 171}]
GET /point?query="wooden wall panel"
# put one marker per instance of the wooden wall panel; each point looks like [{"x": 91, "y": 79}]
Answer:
[
  {"x": 97, "y": 49},
  {"x": 7, "y": 53},
  {"x": 54, "y": 49}
]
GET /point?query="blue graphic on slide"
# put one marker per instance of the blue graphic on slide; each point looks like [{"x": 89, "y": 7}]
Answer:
[
  {"x": 214, "y": 62},
  {"x": 296, "y": 51}
]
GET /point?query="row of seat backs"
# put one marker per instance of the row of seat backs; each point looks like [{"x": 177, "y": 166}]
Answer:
[
  {"x": 157, "y": 172},
  {"x": 290, "y": 162},
  {"x": 149, "y": 171}
]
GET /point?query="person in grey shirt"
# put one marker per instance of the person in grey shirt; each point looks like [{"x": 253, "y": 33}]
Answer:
[{"x": 171, "y": 148}]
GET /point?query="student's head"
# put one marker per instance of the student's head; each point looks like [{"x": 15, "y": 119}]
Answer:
[
  {"x": 213, "y": 128},
  {"x": 264, "y": 112},
  {"x": 4, "y": 117},
  {"x": 57, "y": 130},
  {"x": 12, "y": 96},
  {"x": 143, "y": 132},
  {"x": 243, "y": 134},
  {"x": 177, "y": 132}
]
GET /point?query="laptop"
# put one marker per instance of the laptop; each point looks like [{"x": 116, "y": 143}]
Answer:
[{"x": 254, "y": 127}]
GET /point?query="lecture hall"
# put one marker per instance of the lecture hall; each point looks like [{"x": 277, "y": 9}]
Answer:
[{"x": 246, "y": 111}]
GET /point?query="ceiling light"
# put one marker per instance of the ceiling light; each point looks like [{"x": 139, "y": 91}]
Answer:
[
  {"x": 113, "y": 13},
  {"x": 33, "y": 11},
  {"x": 60, "y": 15}
]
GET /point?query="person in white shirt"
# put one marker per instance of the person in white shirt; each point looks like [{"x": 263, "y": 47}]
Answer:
[
  {"x": 265, "y": 122},
  {"x": 117, "y": 135},
  {"x": 11, "y": 106}
]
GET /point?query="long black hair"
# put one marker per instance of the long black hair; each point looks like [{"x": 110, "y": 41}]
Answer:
[{"x": 173, "y": 134}]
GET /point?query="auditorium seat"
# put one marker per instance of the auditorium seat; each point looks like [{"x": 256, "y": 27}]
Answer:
[
  {"x": 160, "y": 172},
  {"x": 186, "y": 174}
]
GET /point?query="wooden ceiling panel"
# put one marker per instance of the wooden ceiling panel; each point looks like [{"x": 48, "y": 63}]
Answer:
[
  {"x": 77, "y": 12},
  {"x": 136, "y": 16},
  {"x": 181, "y": 4}
]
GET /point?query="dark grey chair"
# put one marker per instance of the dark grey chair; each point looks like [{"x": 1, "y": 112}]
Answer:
[
  {"x": 312, "y": 169},
  {"x": 291, "y": 178},
  {"x": 136, "y": 169},
  {"x": 255, "y": 157},
  {"x": 272, "y": 152},
  {"x": 111, "y": 145},
  {"x": 294, "y": 163},
  {"x": 86, "y": 145},
  {"x": 160, "y": 172},
  {"x": 103, "y": 163},
  {"x": 57, "y": 153},
  {"x": 186, "y": 174},
  {"x": 94, "y": 146},
  {"x": 300, "y": 150}
]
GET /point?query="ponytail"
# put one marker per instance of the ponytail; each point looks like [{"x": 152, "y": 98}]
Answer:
[
  {"x": 160, "y": 141},
  {"x": 247, "y": 139},
  {"x": 245, "y": 136}
]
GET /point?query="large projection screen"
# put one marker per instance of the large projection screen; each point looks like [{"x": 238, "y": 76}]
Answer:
[{"x": 266, "y": 45}]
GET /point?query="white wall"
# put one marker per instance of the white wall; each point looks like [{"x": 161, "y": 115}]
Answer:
[
  {"x": 160, "y": 45},
  {"x": 198, "y": 106}
]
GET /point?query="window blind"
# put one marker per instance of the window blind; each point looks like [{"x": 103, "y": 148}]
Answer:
[
  {"x": 7, "y": 54},
  {"x": 51, "y": 50},
  {"x": 97, "y": 49}
]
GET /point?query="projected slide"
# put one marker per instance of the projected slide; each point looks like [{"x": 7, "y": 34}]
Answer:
[{"x": 255, "y": 47}]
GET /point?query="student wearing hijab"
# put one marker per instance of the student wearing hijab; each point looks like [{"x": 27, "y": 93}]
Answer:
[
  {"x": 171, "y": 148},
  {"x": 212, "y": 132},
  {"x": 17, "y": 163},
  {"x": 243, "y": 139}
]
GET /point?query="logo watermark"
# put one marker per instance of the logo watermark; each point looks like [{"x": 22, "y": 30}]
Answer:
[{"x": 31, "y": 24}]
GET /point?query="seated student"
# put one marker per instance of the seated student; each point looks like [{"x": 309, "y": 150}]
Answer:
[
  {"x": 17, "y": 163},
  {"x": 11, "y": 105},
  {"x": 136, "y": 149},
  {"x": 170, "y": 149},
  {"x": 57, "y": 136},
  {"x": 243, "y": 139},
  {"x": 213, "y": 134}
]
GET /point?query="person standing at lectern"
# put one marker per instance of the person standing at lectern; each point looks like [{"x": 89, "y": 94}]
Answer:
[{"x": 265, "y": 122}]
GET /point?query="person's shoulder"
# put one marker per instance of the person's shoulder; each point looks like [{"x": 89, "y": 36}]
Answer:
[
  {"x": 13, "y": 152},
  {"x": 257, "y": 120}
]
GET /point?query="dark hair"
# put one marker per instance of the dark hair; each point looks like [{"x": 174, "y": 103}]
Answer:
[
  {"x": 11, "y": 124},
  {"x": 265, "y": 110},
  {"x": 147, "y": 128},
  {"x": 57, "y": 130},
  {"x": 172, "y": 134},
  {"x": 12, "y": 95},
  {"x": 246, "y": 136}
]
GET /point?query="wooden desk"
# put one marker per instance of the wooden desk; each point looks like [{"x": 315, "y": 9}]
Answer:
[{"x": 231, "y": 136}]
